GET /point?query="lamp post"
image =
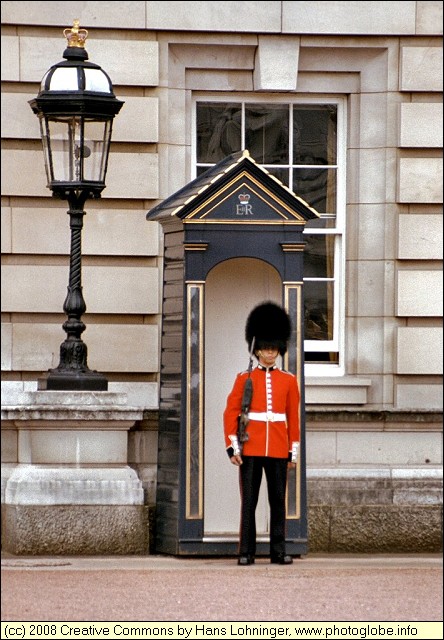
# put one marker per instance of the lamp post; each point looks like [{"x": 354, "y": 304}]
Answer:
[{"x": 76, "y": 106}]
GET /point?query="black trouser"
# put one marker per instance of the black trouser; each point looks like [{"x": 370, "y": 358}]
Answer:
[{"x": 250, "y": 478}]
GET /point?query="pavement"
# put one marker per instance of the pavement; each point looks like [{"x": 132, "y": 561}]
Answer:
[{"x": 317, "y": 587}]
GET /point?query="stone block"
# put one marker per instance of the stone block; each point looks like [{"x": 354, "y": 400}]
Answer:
[
  {"x": 76, "y": 530},
  {"x": 420, "y": 180},
  {"x": 351, "y": 490},
  {"x": 110, "y": 232},
  {"x": 417, "y": 486},
  {"x": 18, "y": 119},
  {"x": 419, "y": 396},
  {"x": 6, "y": 230},
  {"x": 419, "y": 293},
  {"x": 16, "y": 392},
  {"x": 65, "y": 484},
  {"x": 343, "y": 390},
  {"x": 77, "y": 446},
  {"x": 321, "y": 448},
  {"x": 112, "y": 16},
  {"x": 148, "y": 477},
  {"x": 30, "y": 231},
  {"x": 325, "y": 82},
  {"x": 176, "y": 161},
  {"x": 116, "y": 61},
  {"x": 374, "y": 511},
  {"x": 315, "y": 18},
  {"x": 139, "y": 394},
  {"x": 137, "y": 121},
  {"x": 130, "y": 175},
  {"x": 276, "y": 63},
  {"x": 420, "y": 237},
  {"x": 6, "y": 344},
  {"x": 421, "y": 69},
  {"x": 142, "y": 447},
  {"x": 10, "y": 58},
  {"x": 388, "y": 448},
  {"x": 419, "y": 350},
  {"x": 124, "y": 348},
  {"x": 207, "y": 16},
  {"x": 9, "y": 446},
  {"x": 371, "y": 283},
  {"x": 318, "y": 528},
  {"x": 370, "y": 347},
  {"x": 32, "y": 165},
  {"x": 429, "y": 18},
  {"x": 119, "y": 290},
  {"x": 420, "y": 125},
  {"x": 173, "y": 130},
  {"x": 386, "y": 529},
  {"x": 366, "y": 235},
  {"x": 368, "y": 184},
  {"x": 37, "y": 55},
  {"x": 372, "y": 130}
]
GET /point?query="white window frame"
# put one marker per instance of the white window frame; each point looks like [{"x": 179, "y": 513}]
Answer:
[{"x": 337, "y": 344}]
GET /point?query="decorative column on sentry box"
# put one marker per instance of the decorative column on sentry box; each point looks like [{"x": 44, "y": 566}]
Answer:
[{"x": 67, "y": 486}]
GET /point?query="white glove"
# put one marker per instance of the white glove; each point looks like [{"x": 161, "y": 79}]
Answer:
[
  {"x": 235, "y": 444},
  {"x": 294, "y": 452}
]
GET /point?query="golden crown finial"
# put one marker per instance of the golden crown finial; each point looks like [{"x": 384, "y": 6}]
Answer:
[{"x": 76, "y": 37}]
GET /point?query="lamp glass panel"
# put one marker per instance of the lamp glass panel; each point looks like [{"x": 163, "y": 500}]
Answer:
[
  {"x": 44, "y": 133},
  {"x": 63, "y": 79},
  {"x": 96, "y": 80},
  {"x": 65, "y": 136},
  {"x": 77, "y": 149},
  {"x": 97, "y": 135}
]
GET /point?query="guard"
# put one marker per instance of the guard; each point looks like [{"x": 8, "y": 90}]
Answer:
[{"x": 262, "y": 431}]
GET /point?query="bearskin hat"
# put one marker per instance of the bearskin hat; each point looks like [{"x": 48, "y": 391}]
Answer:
[{"x": 269, "y": 324}]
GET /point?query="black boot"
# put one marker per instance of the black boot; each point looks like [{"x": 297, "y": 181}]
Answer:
[{"x": 281, "y": 558}]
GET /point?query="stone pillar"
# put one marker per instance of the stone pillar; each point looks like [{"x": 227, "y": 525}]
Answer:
[{"x": 66, "y": 486}]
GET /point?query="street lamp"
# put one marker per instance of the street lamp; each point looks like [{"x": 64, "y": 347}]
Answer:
[{"x": 76, "y": 107}]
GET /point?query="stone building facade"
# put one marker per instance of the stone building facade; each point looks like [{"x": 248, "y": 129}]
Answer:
[{"x": 374, "y": 428}]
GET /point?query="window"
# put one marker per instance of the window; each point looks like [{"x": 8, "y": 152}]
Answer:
[{"x": 302, "y": 143}]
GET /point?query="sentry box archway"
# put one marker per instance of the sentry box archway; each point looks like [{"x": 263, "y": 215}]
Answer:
[{"x": 232, "y": 239}]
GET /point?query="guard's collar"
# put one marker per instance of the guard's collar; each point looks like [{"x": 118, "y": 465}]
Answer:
[{"x": 262, "y": 368}]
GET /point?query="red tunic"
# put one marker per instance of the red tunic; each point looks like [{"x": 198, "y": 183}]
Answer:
[{"x": 273, "y": 391}]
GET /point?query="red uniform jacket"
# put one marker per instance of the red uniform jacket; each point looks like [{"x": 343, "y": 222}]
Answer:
[{"x": 274, "y": 391}]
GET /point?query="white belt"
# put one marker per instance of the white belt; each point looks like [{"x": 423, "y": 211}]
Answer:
[{"x": 268, "y": 416}]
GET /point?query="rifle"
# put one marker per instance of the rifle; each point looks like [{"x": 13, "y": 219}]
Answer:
[{"x": 243, "y": 420}]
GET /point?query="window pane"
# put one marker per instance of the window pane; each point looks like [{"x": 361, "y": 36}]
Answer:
[
  {"x": 314, "y": 134},
  {"x": 318, "y": 310},
  {"x": 266, "y": 133},
  {"x": 280, "y": 174},
  {"x": 218, "y": 129},
  {"x": 323, "y": 357},
  {"x": 317, "y": 187},
  {"x": 319, "y": 254},
  {"x": 326, "y": 222}
]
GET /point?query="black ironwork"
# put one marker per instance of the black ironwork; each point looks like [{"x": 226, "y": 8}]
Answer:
[
  {"x": 76, "y": 97},
  {"x": 73, "y": 372}
]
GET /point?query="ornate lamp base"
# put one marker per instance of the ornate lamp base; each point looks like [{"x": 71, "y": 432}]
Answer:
[
  {"x": 73, "y": 381},
  {"x": 73, "y": 373}
]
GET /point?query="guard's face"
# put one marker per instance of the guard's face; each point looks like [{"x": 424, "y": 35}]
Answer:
[{"x": 267, "y": 355}]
